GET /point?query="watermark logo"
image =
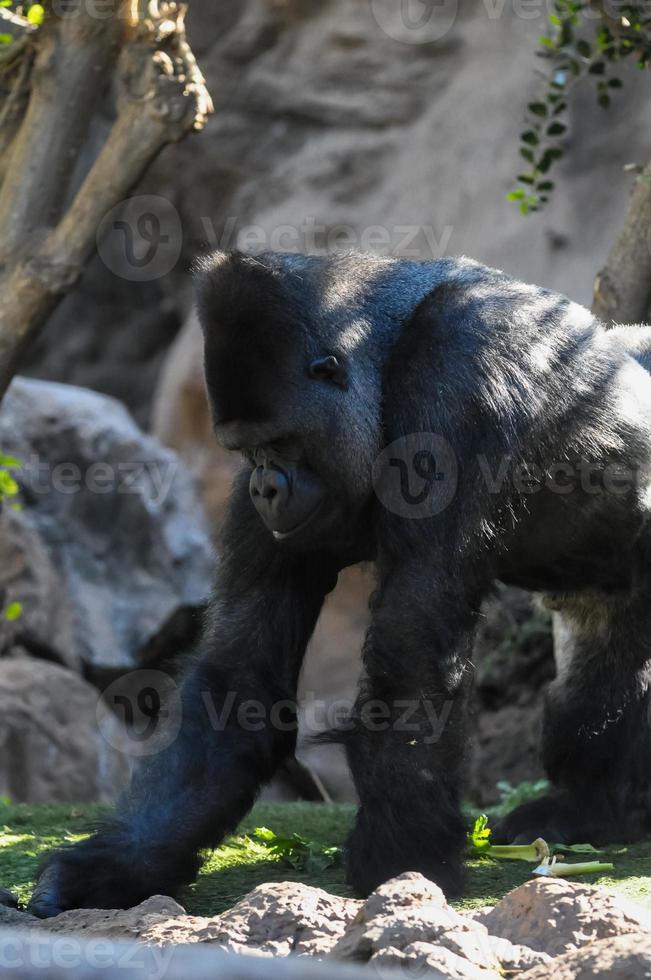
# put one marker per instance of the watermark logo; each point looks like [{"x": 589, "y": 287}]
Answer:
[
  {"x": 148, "y": 702},
  {"x": 140, "y": 239},
  {"x": 416, "y": 476},
  {"x": 415, "y": 21}
]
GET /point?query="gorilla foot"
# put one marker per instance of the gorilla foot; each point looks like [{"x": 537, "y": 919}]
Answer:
[
  {"x": 8, "y": 899},
  {"x": 560, "y": 819},
  {"x": 108, "y": 871},
  {"x": 372, "y": 859}
]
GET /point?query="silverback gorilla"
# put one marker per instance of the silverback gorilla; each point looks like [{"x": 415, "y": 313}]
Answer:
[{"x": 454, "y": 427}]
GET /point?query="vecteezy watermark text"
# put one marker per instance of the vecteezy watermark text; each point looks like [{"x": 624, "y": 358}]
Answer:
[
  {"x": 418, "y": 476},
  {"x": 148, "y": 478},
  {"x": 150, "y": 704}
]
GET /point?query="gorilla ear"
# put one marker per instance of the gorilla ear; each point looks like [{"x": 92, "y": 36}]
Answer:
[{"x": 329, "y": 369}]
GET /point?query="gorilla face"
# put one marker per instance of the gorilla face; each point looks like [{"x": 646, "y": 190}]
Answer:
[
  {"x": 286, "y": 488},
  {"x": 285, "y": 492}
]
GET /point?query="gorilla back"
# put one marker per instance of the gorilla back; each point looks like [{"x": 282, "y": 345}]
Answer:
[{"x": 454, "y": 427}]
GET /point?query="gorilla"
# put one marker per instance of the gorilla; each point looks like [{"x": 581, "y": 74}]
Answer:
[{"x": 455, "y": 427}]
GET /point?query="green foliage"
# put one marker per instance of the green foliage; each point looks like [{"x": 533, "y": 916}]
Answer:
[
  {"x": 8, "y": 489},
  {"x": 36, "y": 13},
  {"x": 13, "y": 611},
  {"x": 583, "y": 42},
  {"x": 512, "y": 796},
  {"x": 295, "y": 851}
]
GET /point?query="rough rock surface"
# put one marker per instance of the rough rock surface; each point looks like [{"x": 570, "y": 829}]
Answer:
[
  {"x": 558, "y": 916},
  {"x": 51, "y": 747},
  {"x": 117, "y": 923},
  {"x": 620, "y": 958},
  {"x": 273, "y": 920},
  {"x": 110, "y": 552},
  {"x": 408, "y": 922}
]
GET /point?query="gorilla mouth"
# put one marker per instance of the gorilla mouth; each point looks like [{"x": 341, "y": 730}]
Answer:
[{"x": 285, "y": 535}]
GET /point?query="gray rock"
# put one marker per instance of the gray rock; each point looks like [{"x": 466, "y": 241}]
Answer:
[
  {"x": 110, "y": 551},
  {"x": 52, "y": 748},
  {"x": 13, "y": 918}
]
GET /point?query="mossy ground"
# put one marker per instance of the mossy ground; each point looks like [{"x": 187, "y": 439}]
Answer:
[{"x": 232, "y": 870}]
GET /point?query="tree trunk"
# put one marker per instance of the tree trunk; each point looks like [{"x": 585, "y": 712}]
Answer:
[
  {"x": 622, "y": 290},
  {"x": 57, "y": 75}
]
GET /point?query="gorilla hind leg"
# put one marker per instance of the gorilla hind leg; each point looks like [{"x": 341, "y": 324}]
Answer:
[{"x": 596, "y": 727}]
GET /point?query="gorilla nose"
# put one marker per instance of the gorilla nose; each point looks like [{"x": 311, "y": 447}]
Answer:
[{"x": 270, "y": 490}]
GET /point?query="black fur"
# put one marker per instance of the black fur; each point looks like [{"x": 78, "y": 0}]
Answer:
[{"x": 529, "y": 394}]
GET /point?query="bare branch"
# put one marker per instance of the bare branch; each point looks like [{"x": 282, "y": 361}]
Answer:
[
  {"x": 75, "y": 53},
  {"x": 13, "y": 107},
  {"x": 622, "y": 290},
  {"x": 162, "y": 98}
]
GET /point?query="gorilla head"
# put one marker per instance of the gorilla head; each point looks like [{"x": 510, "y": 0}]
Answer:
[{"x": 292, "y": 384}]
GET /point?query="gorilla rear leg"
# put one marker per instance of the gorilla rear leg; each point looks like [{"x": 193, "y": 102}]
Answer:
[
  {"x": 407, "y": 748},
  {"x": 596, "y": 732}
]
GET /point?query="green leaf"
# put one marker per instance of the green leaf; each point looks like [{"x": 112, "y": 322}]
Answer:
[
  {"x": 516, "y": 195},
  {"x": 526, "y": 178},
  {"x": 10, "y": 462},
  {"x": 479, "y": 836},
  {"x": 537, "y": 108},
  {"x": 6, "y": 38},
  {"x": 545, "y": 185},
  {"x": 36, "y": 13},
  {"x": 556, "y": 129},
  {"x": 614, "y": 82},
  {"x": 583, "y": 48},
  {"x": 604, "y": 100},
  {"x": 530, "y": 137},
  {"x": 8, "y": 486},
  {"x": 546, "y": 42},
  {"x": 573, "y": 849},
  {"x": 6, "y": 3},
  {"x": 526, "y": 153},
  {"x": 597, "y": 68},
  {"x": 13, "y": 611},
  {"x": 548, "y": 157}
]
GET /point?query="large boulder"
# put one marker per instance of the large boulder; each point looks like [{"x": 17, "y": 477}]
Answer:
[
  {"x": 109, "y": 554},
  {"x": 52, "y": 748}
]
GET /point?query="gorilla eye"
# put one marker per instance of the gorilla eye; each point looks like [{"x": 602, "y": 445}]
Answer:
[{"x": 328, "y": 369}]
